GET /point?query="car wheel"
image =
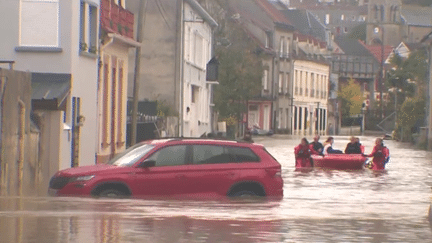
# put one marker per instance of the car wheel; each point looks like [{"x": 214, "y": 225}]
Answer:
[
  {"x": 244, "y": 193},
  {"x": 112, "y": 193}
]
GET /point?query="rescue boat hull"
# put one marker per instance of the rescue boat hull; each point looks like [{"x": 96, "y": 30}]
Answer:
[{"x": 340, "y": 161}]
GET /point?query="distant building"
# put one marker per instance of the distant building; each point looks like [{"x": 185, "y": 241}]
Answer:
[
  {"x": 391, "y": 22},
  {"x": 311, "y": 86},
  {"x": 274, "y": 34},
  {"x": 175, "y": 50}
]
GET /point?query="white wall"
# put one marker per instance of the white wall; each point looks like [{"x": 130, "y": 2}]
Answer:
[
  {"x": 197, "y": 34},
  {"x": 64, "y": 60}
]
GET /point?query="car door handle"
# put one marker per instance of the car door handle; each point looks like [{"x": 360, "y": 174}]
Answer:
[{"x": 180, "y": 177}]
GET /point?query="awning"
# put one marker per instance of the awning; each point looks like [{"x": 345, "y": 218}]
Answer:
[{"x": 49, "y": 90}]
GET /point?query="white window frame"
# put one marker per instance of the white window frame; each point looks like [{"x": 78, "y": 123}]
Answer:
[
  {"x": 265, "y": 79},
  {"x": 89, "y": 15},
  {"x": 25, "y": 39},
  {"x": 281, "y": 81}
]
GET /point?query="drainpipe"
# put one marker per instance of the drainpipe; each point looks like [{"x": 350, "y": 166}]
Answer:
[{"x": 181, "y": 62}]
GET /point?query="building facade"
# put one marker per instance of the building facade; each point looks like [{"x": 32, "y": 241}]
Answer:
[
  {"x": 59, "y": 37},
  {"x": 310, "y": 86},
  {"x": 175, "y": 50},
  {"x": 116, "y": 38}
]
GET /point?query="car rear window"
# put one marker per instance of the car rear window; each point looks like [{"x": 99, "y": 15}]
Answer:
[
  {"x": 216, "y": 154},
  {"x": 239, "y": 155}
]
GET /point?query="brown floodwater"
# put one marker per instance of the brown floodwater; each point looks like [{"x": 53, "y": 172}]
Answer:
[{"x": 318, "y": 206}]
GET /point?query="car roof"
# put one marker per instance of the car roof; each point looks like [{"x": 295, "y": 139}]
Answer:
[{"x": 202, "y": 141}]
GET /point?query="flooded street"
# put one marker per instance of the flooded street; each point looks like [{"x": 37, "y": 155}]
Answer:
[{"x": 318, "y": 206}]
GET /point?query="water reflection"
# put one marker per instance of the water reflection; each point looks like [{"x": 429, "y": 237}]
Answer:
[{"x": 318, "y": 206}]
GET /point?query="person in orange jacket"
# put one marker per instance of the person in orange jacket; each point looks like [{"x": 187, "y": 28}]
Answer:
[
  {"x": 303, "y": 154},
  {"x": 380, "y": 154}
]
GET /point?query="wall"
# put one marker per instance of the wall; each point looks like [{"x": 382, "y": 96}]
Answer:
[
  {"x": 65, "y": 58},
  {"x": 17, "y": 88},
  {"x": 158, "y": 53}
]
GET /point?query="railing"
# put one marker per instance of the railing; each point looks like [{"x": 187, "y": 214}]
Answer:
[{"x": 116, "y": 19}]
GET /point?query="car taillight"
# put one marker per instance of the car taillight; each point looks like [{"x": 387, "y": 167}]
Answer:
[{"x": 274, "y": 172}]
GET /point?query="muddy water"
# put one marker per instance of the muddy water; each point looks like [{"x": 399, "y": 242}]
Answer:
[{"x": 318, "y": 206}]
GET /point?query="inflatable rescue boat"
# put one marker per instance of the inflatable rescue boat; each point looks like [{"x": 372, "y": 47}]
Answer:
[{"x": 340, "y": 161}]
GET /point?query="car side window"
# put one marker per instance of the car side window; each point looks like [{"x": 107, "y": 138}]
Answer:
[
  {"x": 239, "y": 155},
  {"x": 209, "y": 154},
  {"x": 170, "y": 156}
]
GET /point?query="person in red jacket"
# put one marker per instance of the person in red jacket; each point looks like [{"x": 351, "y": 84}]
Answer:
[
  {"x": 303, "y": 154},
  {"x": 380, "y": 154}
]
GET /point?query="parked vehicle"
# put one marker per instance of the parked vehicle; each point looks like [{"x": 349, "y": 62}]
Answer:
[{"x": 197, "y": 168}]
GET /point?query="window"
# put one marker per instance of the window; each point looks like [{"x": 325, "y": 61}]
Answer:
[
  {"x": 281, "y": 82},
  {"x": 312, "y": 93},
  {"x": 265, "y": 80},
  {"x": 121, "y": 3},
  {"x": 268, "y": 40},
  {"x": 39, "y": 23},
  {"x": 286, "y": 83},
  {"x": 282, "y": 47},
  {"x": 194, "y": 94},
  {"x": 327, "y": 19},
  {"x": 280, "y": 121},
  {"x": 132, "y": 155},
  {"x": 239, "y": 155},
  {"x": 296, "y": 81},
  {"x": 301, "y": 83},
  {"x": 287, "y": 47},
  {"x": 88, "y": 27},
  {"x": 209, "y": 154},
  {"x": 198, "y": 55},
  {"x": 170, "y": 156},
  {"x": 306, "y": 84},
  {"x": 382, "y": 13}
]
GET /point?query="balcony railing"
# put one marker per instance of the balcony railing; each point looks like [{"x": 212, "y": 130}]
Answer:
[
  {"x": 284, "y": 55},
  {"x": 116, "y": 19}
]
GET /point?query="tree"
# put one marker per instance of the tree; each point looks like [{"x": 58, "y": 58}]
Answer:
[
  {"x": 407, "y": 79},
  {"x": 358, "y": 32},
  {"x": 240, "y": 70},
  {"x": 351, "y": 97}
]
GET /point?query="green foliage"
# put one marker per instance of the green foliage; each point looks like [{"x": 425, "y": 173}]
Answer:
[
  {"x": 358, "y": 32},
  {"x": 164, "y": 110},
  {"x": 351, "y": 97},
  {"x": 408, "y": 78},
  {"x": 240, "y": 71}
]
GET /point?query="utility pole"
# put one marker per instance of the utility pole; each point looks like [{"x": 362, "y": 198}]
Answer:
[
  {"x": 141, "y": 19},
  {"x": 381, "y": 76}
]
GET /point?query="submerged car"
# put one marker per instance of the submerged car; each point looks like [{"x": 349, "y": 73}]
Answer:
[{"x": 197, "y": 168}]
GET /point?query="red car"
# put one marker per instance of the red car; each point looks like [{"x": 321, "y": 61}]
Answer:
[{"x": 194, "y": 168}]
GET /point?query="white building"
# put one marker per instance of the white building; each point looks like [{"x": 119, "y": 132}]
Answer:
[{"x": 61, "y": 37}]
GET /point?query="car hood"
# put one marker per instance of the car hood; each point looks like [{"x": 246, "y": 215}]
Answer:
[{"x": 91, "y": 170}]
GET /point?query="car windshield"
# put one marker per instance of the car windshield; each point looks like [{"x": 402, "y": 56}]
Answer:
[{"x": 131, "y": 155}]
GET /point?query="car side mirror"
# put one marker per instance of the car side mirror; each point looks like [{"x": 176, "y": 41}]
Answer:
[{"x": 147, "y": 164}]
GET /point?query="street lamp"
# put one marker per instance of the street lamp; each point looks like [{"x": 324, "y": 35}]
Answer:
[{"x": 381, "y": 74}]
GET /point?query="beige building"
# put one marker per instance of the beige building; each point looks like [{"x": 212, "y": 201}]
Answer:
[
  {"x": 117, "y": 25},
  {"x": 311, "y": 87}
]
